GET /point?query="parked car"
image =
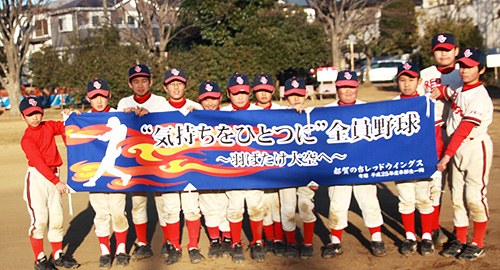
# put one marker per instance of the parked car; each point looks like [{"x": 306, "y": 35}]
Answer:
[{"x": 383, "y": 70}]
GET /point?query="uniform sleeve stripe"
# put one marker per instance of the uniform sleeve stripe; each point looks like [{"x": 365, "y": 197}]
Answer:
[
  {"x": 445, "y": 93},
  {"x": 475, "y": 121},
  {"x": 439, "y": 122}
]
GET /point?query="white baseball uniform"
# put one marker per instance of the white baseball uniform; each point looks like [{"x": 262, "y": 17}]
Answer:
[
  {"x": 109, "y": 208},
  {"x": 432, "y": 77},
  {"x": 139, "y": 199},
  {"x": 237, "y": 198},
  {"x": 470, "y": 165},
  {"x": 340, "y": 200},
  {"x": 415, "y": 193}
]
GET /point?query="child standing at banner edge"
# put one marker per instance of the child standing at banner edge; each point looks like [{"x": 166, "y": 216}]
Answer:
[
  {"x": 415, "y": 193},
  {"x": 340, "y": 196},
  {"x": 263, "y": 89},
  {"x": 469, "y": 154},
  {"x": 444, "y": 72},
  {"x": 109, "y": 207},
  {"x": 296, "y": 95},
  {"x": 174, "y": 83},
  {"x": 43, "y": 189},
  {"x": 238, "y": 91},
  {"x": 143, "y": 102},
  {"x": 213, "y": 203}
]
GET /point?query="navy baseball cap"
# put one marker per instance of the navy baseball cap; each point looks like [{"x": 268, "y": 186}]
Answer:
[
  {"x": 209, "y": 89},
  {"x": 238, "y": 83},
  {"x": 347, "y": 78},
  {"x": 138, "y": 70},
  {"x": 174, "y": 74},
  {"x": 97, "y": 87},
  {"x": 444, "y": 40},
  {"x": 264, "y": 82},
  {"x": 410, "y": 69},
  {"x": 295, "y": 86},
  {"x": 472, "y": 57},
  {"x": 30, "y": 105}
]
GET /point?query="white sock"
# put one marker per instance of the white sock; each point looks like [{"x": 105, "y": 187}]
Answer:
[
  {"x": 40, "y": 256},
  {"x": 335, "y": 240},
  {"x": 426, "y": 236},
  {"x": 411, "y": 236},
  {"x": 57, "y": 254},
  {"x": 104, "y": 249},
  {"x": 377, "y": 237},
  {"x": 120, "y": 248}
]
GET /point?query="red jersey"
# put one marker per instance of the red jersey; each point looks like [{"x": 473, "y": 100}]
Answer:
[{"x": 39, "y": 145}]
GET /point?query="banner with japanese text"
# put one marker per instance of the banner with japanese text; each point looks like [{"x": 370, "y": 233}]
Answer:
[{"x": 368, "y": 143}]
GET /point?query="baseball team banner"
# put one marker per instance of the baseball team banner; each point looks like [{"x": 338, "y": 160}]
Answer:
[{"x": 170, "y": 151}]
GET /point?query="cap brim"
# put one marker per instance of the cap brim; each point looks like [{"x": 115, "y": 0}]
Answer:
[
  {"x": 468, "y": 62},
  {"x": 239, "y": 88},
  {"x": 409, "y": 72},
  {"x": 350, "y": 83},
  {"x": 102, "y": 92},
  {"x": 210, "y": 94},
  {"x": 179, "y": 78},
  {"x": 32, "y": 109},
  {"x": 263, "y": 87},
  {"x": 297, "y": 91},
  {"x": 446, "y": 46},
  {"x": 140, "y": 74}
]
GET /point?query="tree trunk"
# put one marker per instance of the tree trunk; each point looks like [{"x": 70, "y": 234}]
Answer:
[
  {"x": 13, "y": 87},
  {"x": 336, "y": 53},
  {"x": 13, "y": 84}
]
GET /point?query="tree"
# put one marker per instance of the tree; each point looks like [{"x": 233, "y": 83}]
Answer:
[
  {"x": 340, "y": 19},
  {"x": 16, "y": 25},
  {"x": 162, "y": 14}
]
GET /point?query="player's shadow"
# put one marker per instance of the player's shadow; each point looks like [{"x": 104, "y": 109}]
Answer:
[
  {"x": 79, "y": 228},
  {"x": 152, "y": 220}
]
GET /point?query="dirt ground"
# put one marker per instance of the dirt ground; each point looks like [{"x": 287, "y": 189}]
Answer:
[{"x": 81, "y": 242}]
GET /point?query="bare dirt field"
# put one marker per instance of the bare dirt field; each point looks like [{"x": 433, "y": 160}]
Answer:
[{"x": 81, "y": 242}]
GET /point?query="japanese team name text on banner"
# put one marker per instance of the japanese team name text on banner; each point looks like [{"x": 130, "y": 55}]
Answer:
[{"x": 170, "y": 151}]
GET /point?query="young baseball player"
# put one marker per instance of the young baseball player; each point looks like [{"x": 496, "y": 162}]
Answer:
[
  {"x": 263, "y": 89},
  {"x": 109, "y": 207},
  {"x": 444, "y": 72},
  {"x": 296, "y": 95},
  {"x": 142, "y": 102},
  {"x": 238, "y": 91},
  {"x": 174, "y": 83},
  {"x": 213, "y": 203},
  {"x": 415, "y": 193},
  {"x": 340, "y": 196},
  {"x": 468, "y": 154},
  {"x": 43, "y": 188}
]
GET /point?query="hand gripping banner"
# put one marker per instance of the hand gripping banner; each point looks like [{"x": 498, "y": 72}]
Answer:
[{"x": 355, "y": 144}]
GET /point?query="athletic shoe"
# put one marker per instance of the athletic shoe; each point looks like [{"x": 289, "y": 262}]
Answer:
[
  {"x": 269, "y": 245},
  {"x": 122, "y": 259},
  {"x": 291, "y": 250},
  {"x": 141, "y": 252},
  {"x": 44, "y": 264},
  {"x": 66, "y": 262},
  {"x": 453, "y": 249},
  {"x": 377, "y": 248},
  {"x": 331, "y": 250},
  {"x": 105, "y": 261},
  {"x": 195, "y": 255},
  {"x": 174, "y": 255},
  {"x": 226, "y": 249},
  {"x": 214, "y": 251},
  {"x": 471, "y": 252},
  {"x": 306, "y": 252},
  {"x": 238, "y": 253},
  {"x": 439, "y": 238},
  {"x": 426, "y": 247},
  {"x": 279, "y": 248},
  {"x": 408, "y": 247},
  {"x": 257, "y": 251},
  {"x": 165, "y": 248}
]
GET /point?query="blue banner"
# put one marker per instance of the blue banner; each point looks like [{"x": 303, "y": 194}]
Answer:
[{"x": 356, "y": 144}]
